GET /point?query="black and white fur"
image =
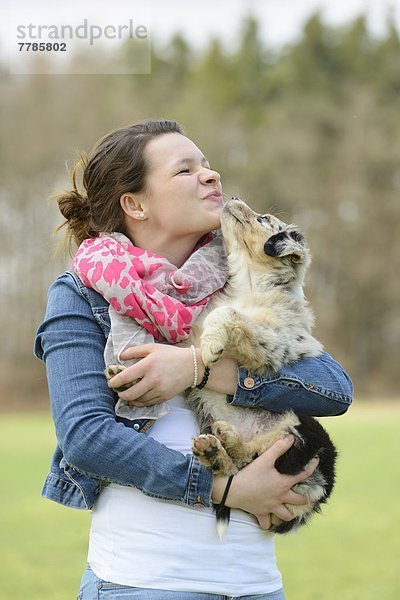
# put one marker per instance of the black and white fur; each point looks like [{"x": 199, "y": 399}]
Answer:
[{"x": 263, "y": 321}]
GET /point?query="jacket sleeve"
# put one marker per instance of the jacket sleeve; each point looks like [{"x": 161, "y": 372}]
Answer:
[
  {"x": 71, "y": 343},
  {"x": 313, "y": 386}
]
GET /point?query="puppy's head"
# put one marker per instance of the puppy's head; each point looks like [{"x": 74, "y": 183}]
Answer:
[{"x": 267, "y": 242}]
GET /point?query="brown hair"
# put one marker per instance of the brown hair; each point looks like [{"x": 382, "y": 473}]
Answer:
[{"x": 116, "y": 165}]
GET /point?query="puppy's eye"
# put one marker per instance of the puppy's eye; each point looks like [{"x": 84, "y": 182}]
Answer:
[{"x": 263, "y": 218}]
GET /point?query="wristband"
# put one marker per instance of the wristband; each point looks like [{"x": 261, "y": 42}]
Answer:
[{"x": 225, "y": 494}]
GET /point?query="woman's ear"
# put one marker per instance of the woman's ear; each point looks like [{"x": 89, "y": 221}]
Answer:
[{"x": 132, "y": 206}]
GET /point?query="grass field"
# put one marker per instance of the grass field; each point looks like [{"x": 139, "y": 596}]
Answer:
[{"x": 352, "y": 552}]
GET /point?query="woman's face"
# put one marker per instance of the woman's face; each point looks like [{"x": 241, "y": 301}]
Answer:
[{"x": 183, "y": 195}]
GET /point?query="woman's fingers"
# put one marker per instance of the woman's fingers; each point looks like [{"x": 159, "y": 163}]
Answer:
[
  {"x": 138, "y": 351},
  {"x": 292, "y": 498},
  {"x": 134, "y": 397},
  {"x": 134, "y": 372},
  {"x": 130, "y": 375},
  {"x": 260, "y": 489},
  {"x": 283, "y": 513},
  {"x": 142, "y": 393},
  {"x": 278, "y": 448},
  {"x": 149, "y": 380},
  {"x": 264, "y": 521},
  {"x": 307, "y": 471}
]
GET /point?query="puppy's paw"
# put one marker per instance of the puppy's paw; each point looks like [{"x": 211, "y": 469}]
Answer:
[
  {"x": 210, "y": 453},
  {"x": 111, "y": 371},
  {"x": 206, "y": 448},
  {"x": 212, "y": 347},
  {"x": 226, "y": 433}
]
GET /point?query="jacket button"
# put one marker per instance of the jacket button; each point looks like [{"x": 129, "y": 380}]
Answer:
[
  {"x": 249, "y": 382},
  {"x": 136, "y": 426},
  {"x": 198, "y": 503}
]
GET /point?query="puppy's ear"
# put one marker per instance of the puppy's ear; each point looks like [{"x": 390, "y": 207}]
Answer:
[{"x": 286, "y": 243}]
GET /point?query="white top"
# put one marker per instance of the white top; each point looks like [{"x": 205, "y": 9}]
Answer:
[{"x": 140, "y": 541}]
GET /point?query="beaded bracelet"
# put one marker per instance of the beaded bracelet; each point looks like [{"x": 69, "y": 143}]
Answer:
[
  {"x": 205, "y": 378},
  {"x": 195, "y": 367}
]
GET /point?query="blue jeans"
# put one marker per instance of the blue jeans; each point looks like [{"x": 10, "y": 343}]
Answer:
[{"x": 93, "y": 588}]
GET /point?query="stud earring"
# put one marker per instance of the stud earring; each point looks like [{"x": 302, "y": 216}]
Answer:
[{"x": 141, "y": 215}]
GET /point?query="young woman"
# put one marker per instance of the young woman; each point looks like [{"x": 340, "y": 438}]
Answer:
[{"x": 153, "y": 533}]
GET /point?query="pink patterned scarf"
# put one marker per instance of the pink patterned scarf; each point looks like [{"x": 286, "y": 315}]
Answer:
[
  {"x": 150, "y": 299},
  {"x": 162, "y": 299}
]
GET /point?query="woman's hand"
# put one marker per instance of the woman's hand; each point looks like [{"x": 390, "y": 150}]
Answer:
[
  {"x": 165, "y": 371},
  {"x": 162, "y": 372},
  {"x": 261, "y": 490}
]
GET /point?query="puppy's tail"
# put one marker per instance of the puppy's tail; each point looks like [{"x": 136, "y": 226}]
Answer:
[{"x": 223, "y": 515}]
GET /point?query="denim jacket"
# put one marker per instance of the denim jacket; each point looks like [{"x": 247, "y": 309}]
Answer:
[{"x": 95, "y": 448}]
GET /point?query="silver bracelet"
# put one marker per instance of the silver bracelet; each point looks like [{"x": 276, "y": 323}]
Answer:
[{"x": 195, "y": 367}]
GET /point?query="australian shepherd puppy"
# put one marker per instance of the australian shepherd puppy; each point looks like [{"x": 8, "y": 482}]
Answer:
[{"x": 263, "y": 321}]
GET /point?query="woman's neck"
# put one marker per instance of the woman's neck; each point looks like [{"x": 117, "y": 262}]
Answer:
[{"x": 176, "y": 250}]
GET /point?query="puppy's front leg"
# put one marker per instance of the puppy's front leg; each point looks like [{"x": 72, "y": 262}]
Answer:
[
  {"x": 252, "y": 345},
  {"x": 215, "y": 336}
]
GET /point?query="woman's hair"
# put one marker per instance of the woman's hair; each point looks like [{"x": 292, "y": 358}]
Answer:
[{"x": 116, "y": 165}]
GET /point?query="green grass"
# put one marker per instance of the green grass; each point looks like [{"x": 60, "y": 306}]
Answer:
[
  {"x": 42, "y": 545},
  {"x": 351, "y": 552}
]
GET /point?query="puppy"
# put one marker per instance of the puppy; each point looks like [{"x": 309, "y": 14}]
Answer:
[{"x": 263, "y": 321}]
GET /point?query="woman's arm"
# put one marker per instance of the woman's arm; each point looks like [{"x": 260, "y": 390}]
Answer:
[
  {"x": 71, "y": 343},
  {"x": 314, "y": 386}
]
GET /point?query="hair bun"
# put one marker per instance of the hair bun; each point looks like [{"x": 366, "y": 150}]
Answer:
[{"x": 74, "y": 206}]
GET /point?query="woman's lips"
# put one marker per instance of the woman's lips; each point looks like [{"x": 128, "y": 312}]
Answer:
[{"x": 215, "y": 196}]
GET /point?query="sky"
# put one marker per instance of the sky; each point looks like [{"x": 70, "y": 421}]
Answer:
[{"x": 281, "y": 21}]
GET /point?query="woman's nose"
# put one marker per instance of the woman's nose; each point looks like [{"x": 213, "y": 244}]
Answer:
[{"x": 209, "y": 176}]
